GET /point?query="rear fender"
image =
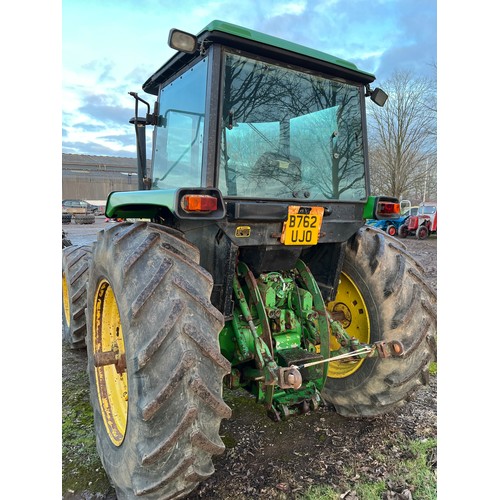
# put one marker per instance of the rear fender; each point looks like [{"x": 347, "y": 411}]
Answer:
[{"x": 149, "y": 204}]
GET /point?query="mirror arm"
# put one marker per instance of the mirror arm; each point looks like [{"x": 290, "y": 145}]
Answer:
[{"x": 151, "y": 119}]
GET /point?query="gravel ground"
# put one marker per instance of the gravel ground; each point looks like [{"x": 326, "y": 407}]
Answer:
[{"x": 261, "y": 462}]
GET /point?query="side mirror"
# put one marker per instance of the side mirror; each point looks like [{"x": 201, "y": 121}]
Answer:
[
  {"x": 378, "y": 96},
  {"x": 182, "y": 41}
]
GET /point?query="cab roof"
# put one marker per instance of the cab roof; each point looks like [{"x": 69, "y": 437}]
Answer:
[{"x": 261, "y": 44}]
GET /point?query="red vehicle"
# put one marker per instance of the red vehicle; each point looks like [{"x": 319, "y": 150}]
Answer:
[{"x": 422, "y": 224}]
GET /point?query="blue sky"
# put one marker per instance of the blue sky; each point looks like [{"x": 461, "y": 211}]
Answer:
[{"x": 111, "y": 47}]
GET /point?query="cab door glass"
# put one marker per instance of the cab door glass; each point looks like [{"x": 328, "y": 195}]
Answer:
[{"x": 178, "y": 152}]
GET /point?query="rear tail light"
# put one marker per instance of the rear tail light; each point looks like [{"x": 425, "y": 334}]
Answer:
[
  {"x": 387, "y": 208},
  {"x": 199, "y": 203},
  {"x": 382, "y": 208}
]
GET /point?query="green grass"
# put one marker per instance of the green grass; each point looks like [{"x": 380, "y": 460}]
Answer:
[
  {"x": 82, "y": 469},
  {"x": 411, "y": 466},
  {"x": 320, "y": 493}
]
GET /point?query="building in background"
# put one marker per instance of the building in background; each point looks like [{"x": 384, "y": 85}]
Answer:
[{"x": 92, "y": 178}]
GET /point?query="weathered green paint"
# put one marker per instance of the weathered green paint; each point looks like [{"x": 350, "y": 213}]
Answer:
[
  {"x": 268, "y": 43},
  {"x": 341, "y": 335},
  {"x": 286, "y": 401},
  {"x": 275, "y": 304},
  {"x": 256, "y": 36},
  {"x": 319, "y": 305},
  {"x": 369, "y": 208},
  {"x": 140, "y": 204},
  {"x": 260, "y": 349}
]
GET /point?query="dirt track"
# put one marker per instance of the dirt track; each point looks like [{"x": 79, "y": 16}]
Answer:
[{"x": 266, "y": 460}]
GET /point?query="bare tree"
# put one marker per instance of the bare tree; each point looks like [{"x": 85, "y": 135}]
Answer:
[{"x": 403, "y": 139}]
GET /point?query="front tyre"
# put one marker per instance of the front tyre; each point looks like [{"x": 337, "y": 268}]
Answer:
[
  {"x": 155, "y": 367},
  {"x": 385, "y": 298},
  {"x": 391, "y": 230}
]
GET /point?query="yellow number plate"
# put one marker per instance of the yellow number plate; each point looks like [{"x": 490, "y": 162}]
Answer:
[{"x": 302, "y": 226}]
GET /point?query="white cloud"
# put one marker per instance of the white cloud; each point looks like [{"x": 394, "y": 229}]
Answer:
[
  {"x": 294, "y": 8},
  {"x": 107, "y": 51}
]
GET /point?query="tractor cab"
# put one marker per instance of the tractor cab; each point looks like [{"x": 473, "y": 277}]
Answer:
[
  {"x": 254, "y": 124},
  {"x": 264, "y": 141},
  {"x": 256, "y": 118}
]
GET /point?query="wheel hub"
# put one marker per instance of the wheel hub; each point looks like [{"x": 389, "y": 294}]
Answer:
[
  {"x": 109, "y": 362},
  {"x": 343, "y": 315},
  {"x": 349, "y": 302}
]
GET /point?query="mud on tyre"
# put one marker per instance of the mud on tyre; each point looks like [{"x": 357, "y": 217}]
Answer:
[
  {"x": 158, "y": 404},
  {"x": 75, "y": 267},
  {"x": 394, "y": 303}
]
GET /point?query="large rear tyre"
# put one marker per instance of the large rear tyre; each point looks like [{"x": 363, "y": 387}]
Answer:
[
  {"x": 384, "y": 297},
  {"x": 75, "y": 267},
  {"x": 422, "y": 232},
  {"x": 157, "y": 392},
  {"x": 403, "y": 231}
]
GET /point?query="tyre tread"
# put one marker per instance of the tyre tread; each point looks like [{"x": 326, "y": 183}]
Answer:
[
  {"x": 174, "y": 365},
  {"x": 75, "y": 266},
  {"x": 405, "y": 310}
]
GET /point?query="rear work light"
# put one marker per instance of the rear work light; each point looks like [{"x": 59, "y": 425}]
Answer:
[{"x": 199, "y": 203}]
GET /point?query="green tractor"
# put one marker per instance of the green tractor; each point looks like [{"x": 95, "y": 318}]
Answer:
[{"x": 243, "y": 262}]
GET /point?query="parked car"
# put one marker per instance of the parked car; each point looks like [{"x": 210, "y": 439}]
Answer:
[
  {"x": 79, "y": 206},
  {"x": 80, "y": 211}
]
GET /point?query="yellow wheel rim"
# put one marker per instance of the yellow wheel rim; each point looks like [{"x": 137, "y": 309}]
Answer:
[
  {"x": 65, "y": 292},
  {"x": 356, "y": 323},
  {"x": 111, "y": 376}
]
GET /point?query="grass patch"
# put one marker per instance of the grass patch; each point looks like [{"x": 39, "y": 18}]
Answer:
[
  {"x": 320, "y": 493},
  {"x": 409, "y": 464},
  {"x": 81, "y": 465},
  {"x": 433, "y": 368}
]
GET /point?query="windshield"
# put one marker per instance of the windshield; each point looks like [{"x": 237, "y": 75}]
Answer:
[
  {"x": 427, "y": 210},
  {"x": 288, "y": 134}
]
